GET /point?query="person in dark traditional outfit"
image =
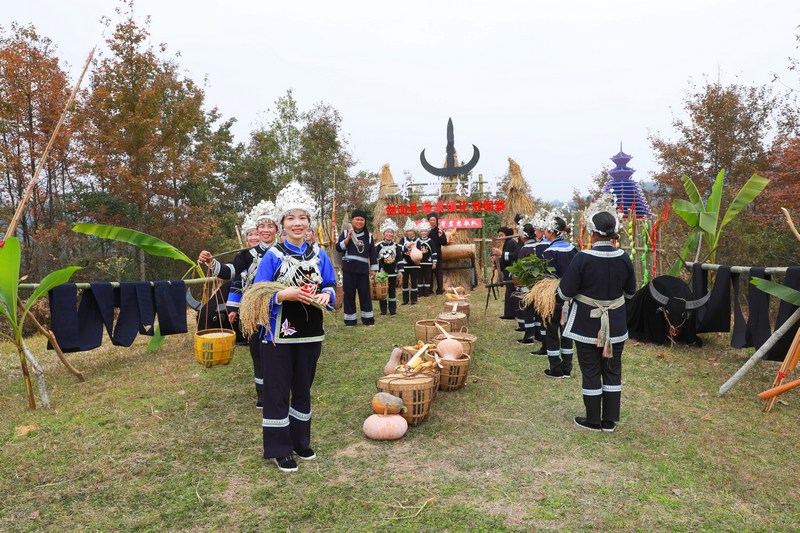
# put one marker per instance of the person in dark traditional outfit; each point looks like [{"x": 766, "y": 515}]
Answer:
[
  {"x": 598, "y": 281},
  {"x": 291, "y": 343},
  {"x": 359, "y": 265},
  {"x": 526, "y": 314},
  {"x": 559, "y": 255},
  {"x": 241, "y": 271},
  {"x": 410, "y": 282},
  {"x": 520, "y": 220},
  {"x": 390, "y": 260},
  {"x": 439, "y": 239},
  {"x": 506, "y": 256},
  {"x": 542, "y": 243},
  {"x": 429, "y": 259}
]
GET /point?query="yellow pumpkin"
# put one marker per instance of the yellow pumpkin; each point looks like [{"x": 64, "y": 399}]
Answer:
[
  {"x": 385, "y": 427},
  {"x": 385, "y": 403}
]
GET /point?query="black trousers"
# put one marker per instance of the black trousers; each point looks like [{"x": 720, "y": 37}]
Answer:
[
  {"x": 602, "y": 381},
  {"x": 426, "y": 279},
  {"x": 352, "y": 284},
  {"x": 391, "y": 299},
  {"x": 509, "y": 309},
  {"x": 529, "y": 323},
  {"x": 559, "y": 349},
  {"x": 438, "y": 274},
  {"x": 255, "y": 354},
  {"x": 410, "y": 287},
  {"x": 286, "y": 422}
]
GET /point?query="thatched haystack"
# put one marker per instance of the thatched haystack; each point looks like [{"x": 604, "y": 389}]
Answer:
[
  {"x": 387, "y": 194},
  {"x": 518, "y": 198}
]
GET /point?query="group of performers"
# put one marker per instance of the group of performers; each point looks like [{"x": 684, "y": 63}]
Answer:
[{"x": 589, "y": 314}]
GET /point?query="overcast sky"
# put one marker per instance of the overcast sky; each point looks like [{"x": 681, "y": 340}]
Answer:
[{"x": 555, "y": 85}]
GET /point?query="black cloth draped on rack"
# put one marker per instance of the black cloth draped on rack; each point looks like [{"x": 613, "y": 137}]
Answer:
[
  {"x": 785, "y": 309},
  {"x": 715, "y": 316}
]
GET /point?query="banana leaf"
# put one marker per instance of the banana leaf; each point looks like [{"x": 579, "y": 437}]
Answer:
[
  {"x": 688, "y": 247},
  {"x": 148, "y": 243},
  {"x": 692, "y": 192},
  {"x": 9, "y": 280},
  {"x": 157, "y": 341},
  {"x": 687, "y": 211},
  {"x": 746, "y": 194},
  {"x": 709, "y": 218},
  {"x": 783, "y": 292}
]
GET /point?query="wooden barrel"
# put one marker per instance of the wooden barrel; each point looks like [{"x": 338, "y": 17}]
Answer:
[
  {"x": 456, "y": 320},
  {"x": 416, "y": 391},
  {"x": 457, "y": 251},
  {"x": 426, "y": 329}
]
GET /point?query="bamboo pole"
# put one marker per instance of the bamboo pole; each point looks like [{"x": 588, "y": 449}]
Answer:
[
  {"x": 115, "y": 284},
  {"x": 789, "y": 364},
  {"x": 738, "y": 269},
  {"x": 780, "y": 332}
]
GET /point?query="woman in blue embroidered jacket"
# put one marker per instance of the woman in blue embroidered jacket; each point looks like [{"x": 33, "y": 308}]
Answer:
[
  {"x": 598, "y": 281},
  {"x": 292, "y": 345},
  {"x": 559, "y": 255}
]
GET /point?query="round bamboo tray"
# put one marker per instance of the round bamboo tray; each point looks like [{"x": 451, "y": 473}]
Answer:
[
  {"x": 417, "y": 392},
  {"x": 467, "y": 340},
  {"x": 426, "y": 329},
  {"x": 456, "y": 320},
  {"x": 458, "y": 306},
  {"x": 379, "y": 290},
  {"x": 214, "y": 346},
  {"x": 453, "y": 374}
]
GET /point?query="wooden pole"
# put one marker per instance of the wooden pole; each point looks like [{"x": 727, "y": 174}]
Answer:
[
  {"x": 780, "y": 332},
  {"x": 789, "y": 364}
]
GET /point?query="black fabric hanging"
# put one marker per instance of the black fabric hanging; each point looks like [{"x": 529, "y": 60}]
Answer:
[
  {"x": 739, "y": 337},
  {"x": 715, "y": 316},
  {"x": 758, "y": 326},
  {"x": 95, "y": 311},
  {"x": 64, "y": 317},
  {"x": 170, "y": 297},
  {"x": 136, "y": 312},
  {"x": 785, "y": 310}
]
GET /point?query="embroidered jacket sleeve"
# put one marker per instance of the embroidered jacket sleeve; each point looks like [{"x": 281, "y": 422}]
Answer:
[
  {"x": 233, "y": 270},
  {"x": 509, "y": 255},
  {"x": 340, "y": 245},
  {"x": 401, "y": 257},
  {"x": 373, "y": 257}
]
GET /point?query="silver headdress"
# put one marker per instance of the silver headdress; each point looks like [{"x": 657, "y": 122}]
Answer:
[
  {"x": 551, "y": 223},
  {"x": 605, "y": 203},
  {"x": 424, "y": 226},
  {"x": 294, "y": 196},
  {"x": 264, "y": 211},
  {"x": 539, "y": 220},
  {"x": 248, "y": 224},
  {"x": 388, "y": 225},
  {"x": 410, "y": 225}
]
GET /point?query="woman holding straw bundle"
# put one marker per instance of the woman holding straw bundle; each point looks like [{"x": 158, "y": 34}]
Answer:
[
  {"x": 599, "y": 281},
  {"x": 295, "y": 281}
]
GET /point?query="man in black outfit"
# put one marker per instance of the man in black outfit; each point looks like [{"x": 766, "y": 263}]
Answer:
[{"x": 439, "y": 239}]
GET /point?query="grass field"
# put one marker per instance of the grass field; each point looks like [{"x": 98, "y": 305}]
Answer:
[{"x": 155, "y": 441}]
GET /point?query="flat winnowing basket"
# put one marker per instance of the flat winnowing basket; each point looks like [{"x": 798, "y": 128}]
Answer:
[
  {"x": 453, "y": 374},
  {"x": 416, "y": 390},
  {"x": 379, "y": 290},
  {"x": 214, "y": 346},
  {"x": 467, "y": 340},
  {"x": 426, "y": 329}
]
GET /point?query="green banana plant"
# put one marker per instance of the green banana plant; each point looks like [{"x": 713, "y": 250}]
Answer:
[
  {"x": 9, "y": 287},
  {"x": 703, "y": 217},
  {"x": 151, "y": 245},
  {"x": 776, "y": 289}
]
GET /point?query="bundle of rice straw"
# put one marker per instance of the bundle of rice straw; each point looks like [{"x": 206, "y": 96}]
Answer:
[
  {"x": 518, "y": 198},
  {"x": 543, "y": 298},
  {"x": 255, "y": 308},
  {"x": 387, "y": 194}
]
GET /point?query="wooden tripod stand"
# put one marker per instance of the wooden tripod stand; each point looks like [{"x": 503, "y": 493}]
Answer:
[{"x": 778, "y": 387}]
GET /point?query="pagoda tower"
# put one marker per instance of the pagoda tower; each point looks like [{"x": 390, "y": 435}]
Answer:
[{"x": 628, "y": 191}]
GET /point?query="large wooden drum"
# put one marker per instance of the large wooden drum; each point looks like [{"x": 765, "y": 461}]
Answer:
[{"x": 457, "y": 251}]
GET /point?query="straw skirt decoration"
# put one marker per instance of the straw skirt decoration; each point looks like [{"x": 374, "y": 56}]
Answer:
[{"x": 416, "y": 391}]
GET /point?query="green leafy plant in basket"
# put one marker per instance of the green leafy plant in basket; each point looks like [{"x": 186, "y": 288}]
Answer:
[
  {"x": 381, "y": 277},
  {"x": 530, "y": 269}
]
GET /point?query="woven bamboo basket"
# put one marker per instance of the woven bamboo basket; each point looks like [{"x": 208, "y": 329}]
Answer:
[
  {"x": 467, "y": 340},
  {"x": 453, "y": 375},
  {"x": 426, "y": 329},
  {"x": 417, "y": 392},
  {"x": 214, "y": 346},
  {"x": 456, "y": 320},
  {"x": 458, "y": 306},
  {"x": 339, "y": 298},
  {"x": 379, "y": 290}
]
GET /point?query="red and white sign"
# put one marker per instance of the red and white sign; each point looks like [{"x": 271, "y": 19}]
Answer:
[{"x": 461, "y": 223}]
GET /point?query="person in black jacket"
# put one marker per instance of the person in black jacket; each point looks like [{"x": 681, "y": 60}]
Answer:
[
  {"x": 598, "y": 281},
  {"x": 507, "y": 256},
  {"x": 390, "y": 260},
  {"x": 411, "y": 269},
  {"x": 359, "y": 265},
  {"x": 439, "y": 239}
]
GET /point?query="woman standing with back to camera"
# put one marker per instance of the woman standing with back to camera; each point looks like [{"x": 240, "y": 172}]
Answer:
[{"x": 598, "y": 281}]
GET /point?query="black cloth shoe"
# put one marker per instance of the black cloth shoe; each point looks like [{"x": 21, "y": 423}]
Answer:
[
  {"x": 582, "y": 422},
  {"x": 525, "y": 341},
  {"x": 608, "y": 425},
  {"x": 306, "y": 455},
  {"x": 285, "y": 464},
  {"x": 553, "y": 374},
  {"x": 507, "y": 317},
  {"x": 259, "y": 404},
  {"x": 521, "y": 330},
  {"x": 404, "y": 303},
  {"x": 540, "y": 351}
]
